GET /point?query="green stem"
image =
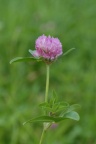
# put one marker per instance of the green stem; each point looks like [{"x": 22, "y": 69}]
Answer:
[
  {"x": 47, "y": 84},
  {"x": 41, "y": 139},
  {"x": 46, "y": 99}
]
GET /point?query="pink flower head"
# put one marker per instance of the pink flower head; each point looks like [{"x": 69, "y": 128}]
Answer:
[{"x": 48, "y": 48}]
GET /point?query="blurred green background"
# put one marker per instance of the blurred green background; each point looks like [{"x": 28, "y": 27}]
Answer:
[{"x": 22, "y": 85}]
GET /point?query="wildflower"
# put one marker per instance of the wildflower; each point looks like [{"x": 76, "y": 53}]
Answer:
[{"x": 47, "y": 48}]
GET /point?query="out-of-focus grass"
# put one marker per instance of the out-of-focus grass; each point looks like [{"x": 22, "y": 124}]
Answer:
[{"x": 22, "y": 85}]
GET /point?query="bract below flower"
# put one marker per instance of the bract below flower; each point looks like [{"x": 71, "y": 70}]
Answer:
[{"x": 47, "y": 48}]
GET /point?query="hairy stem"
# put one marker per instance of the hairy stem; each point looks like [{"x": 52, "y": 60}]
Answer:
[
  {"x": 46, "y": 99},
  {"x": 47, "y": 83},
  {"x": 41, "y": 139}
]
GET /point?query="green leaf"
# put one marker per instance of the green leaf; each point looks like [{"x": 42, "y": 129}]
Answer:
[
  {"x": 44, "y": 119},
  {"x": 23, "y": 59},
  {"x": 69, "y": 109},
  {"x": 64, "y": 104},
  {"x": 72, "y": 115},
  {"x": 54, "y": 94},
  {"x": 61, "y": 108},
  {"x": 68, "y": 51},
  {"x": 44, "y": 104},
  {"x": 54, "y": 108},
  {"x": 57, "y": 107},
  {"x": 48, "y": 109},
  {"x": 41, "y": 119},
  {"x": 54, "y": 98},
  {"x": 73, "y": 107}
]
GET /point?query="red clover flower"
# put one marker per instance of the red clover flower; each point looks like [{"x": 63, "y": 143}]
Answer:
[{"x": 47, "y": 48}]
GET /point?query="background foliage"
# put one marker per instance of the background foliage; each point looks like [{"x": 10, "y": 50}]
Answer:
[{"x": 22, "y": 85}]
